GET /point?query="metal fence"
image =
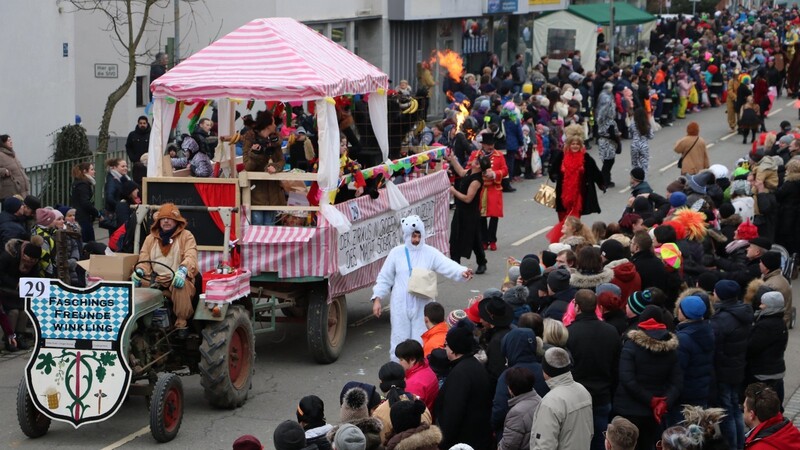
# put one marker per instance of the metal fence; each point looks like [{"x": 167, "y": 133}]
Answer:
[{"x": 52, "y": 182}]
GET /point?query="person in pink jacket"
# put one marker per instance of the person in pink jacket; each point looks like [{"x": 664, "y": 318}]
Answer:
[{"x": 420, "y": 379}]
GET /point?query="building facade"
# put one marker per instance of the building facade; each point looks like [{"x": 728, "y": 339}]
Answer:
[{"x": 68, "y": 64}]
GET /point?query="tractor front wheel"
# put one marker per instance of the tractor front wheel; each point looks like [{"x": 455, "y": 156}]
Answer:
[
  {"x": 33, "y": 423},
  {"x": 166, "y": 407}
]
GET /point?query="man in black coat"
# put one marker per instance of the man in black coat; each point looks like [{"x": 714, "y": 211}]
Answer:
[
  {"x": 744, "y": 274},
  {"x": 463, "y": 407},
  {"x": 650, "y": 268},
  {"x": 561, "y": 293},
  {"x": 767, "y": 344},
  {"x": 138, "y": 140},
  {"x": 595, "y": 347},
  {"x": 13, "y": 221},
  {"x": 731, "y": 323}
]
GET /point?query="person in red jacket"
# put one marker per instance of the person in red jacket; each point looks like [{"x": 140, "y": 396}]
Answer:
[
  {"x": 769, "y": 429},
  {"x": 491, "y": 200},
  {"x": 420, "y": 379}
]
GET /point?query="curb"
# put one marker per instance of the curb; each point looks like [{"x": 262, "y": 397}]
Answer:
[{"x": 792, "y": 409}]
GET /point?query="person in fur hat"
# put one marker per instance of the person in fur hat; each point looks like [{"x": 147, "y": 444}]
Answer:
[
  {"x": 575, "y": 173},
  {"x": 170, "y": 243}
]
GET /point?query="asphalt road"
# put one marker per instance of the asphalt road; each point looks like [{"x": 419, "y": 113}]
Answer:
[{"x": 285, "y": 372}]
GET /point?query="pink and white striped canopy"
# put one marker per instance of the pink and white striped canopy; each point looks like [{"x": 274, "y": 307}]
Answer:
[{"x": 270, "y": 59}]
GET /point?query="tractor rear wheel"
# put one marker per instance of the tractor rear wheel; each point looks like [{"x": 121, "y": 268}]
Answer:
[
  {"x": 166, "y": 407},
  {"x": 33, "y": 423},
  {"x": 227, "y": 359},
  {"x": 326, "y": 326}
]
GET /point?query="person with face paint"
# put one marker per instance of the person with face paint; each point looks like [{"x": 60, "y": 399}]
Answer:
[{"x": 407, "y": 319}]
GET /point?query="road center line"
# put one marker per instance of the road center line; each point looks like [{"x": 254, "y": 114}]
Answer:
[
  {"x": 774, "y": 112},
  {"x": 531, "y": 236},
  {"x": 127, "y": 438},
  {"x": 668, "y": 166},
  {"x": 625, "y": 189},
  {"x": 791, "y": 103},
  {"x": 728, "y": 136}
]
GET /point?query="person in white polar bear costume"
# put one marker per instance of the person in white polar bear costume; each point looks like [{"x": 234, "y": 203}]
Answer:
[{"x": 407, "y": 318}]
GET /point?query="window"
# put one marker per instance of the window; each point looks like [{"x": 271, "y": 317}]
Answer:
[
  {"x": 142, "y": 91},
  {"x": 339, "y": 34},
  {"x": 560, "y": 42}
]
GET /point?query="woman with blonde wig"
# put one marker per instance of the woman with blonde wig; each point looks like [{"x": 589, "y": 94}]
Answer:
[{"x": 575, "y": 173}]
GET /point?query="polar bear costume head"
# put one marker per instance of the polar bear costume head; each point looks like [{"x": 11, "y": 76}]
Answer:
[{"x": 410, "y": 225}]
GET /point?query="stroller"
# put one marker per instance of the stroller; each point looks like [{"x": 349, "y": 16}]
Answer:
[{"x": 788, "y": 262}]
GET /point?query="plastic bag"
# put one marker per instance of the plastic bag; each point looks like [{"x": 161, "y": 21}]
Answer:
[
  {"x": 536, "y": 162},
  {"x": 397, "y": 200}
]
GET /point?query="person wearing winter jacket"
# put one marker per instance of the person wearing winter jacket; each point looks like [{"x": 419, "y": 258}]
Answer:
[
  {"x": 650, "y": 379},
  {"x": 464, "y": 403},
  {"x": 650, "y": 268},
  {"x": 695, "y": 354},
  {"x": 519, "y": 349},
  {"x": 410, "y": 432},
  {"x": 744, "y": 274},
  {"x": 625, "y": 274},
  {"x": 731, "y": 323},
  {"x": 355, "y": 411},
  {"x": 772, "y": 275},
  {"x": 769, "y": 430},
  {"x": 564, "y": 417},
  {"x": 311, "y": 416},
  {"x": 595, "y": 348},
  {"x": 767, "y": 344},
  {"x": 420, "y": 379},
  {"x": 561, "y": 293},
  {"x": 495, "y": 318},
  {"x": 788, "y": 197},
  {"x": 522, "y": 405},
  {"x": 589, "y": 271},
  {"x": 82, "y": 199}
]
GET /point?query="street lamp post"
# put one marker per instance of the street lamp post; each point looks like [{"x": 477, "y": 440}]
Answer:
[{"x": 611, "y": 31}]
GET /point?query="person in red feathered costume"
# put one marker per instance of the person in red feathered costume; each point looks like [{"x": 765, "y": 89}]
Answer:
[{"x": 575, "y": 173}]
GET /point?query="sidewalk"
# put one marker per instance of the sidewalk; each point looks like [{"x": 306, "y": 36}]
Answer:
[{"x": 792, "y": 410}]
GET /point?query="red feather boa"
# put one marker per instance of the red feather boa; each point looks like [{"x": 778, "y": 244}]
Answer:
[{"x": 572, "y": 168}]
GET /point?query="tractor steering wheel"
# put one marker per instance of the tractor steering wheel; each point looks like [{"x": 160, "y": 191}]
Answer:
[{"x": 153, "y": 274}]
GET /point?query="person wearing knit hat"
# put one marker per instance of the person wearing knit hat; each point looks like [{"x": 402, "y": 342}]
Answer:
[
  {"x": 561, "y": 293},
  {"x": 247, "y": 442},
  {"x": 11, "y": 205},
  {"x": 767, "y": 344},
  {"x": 373, "y": 396},
  {"x": 13, "y": 221},
  {"x": 406, "y": 415},
  {"x": 548, "y": 258},
  {"x": 349, "y": 437},
  {"x": 637, "y": 302},
  {"x": 32, "y": 203},
  {"x": 638, "y": 184},
  {"x": 289, "y": 435},
  {"x": 169, "y": 240},
  {"x": 770, "y": 266},
  {"x": 46, "y": 216},
  {"x": 693, "y": 151},
  {"x": 770, "y": 261},
  {"x": 558, "y": 281},
  {"x": 677, "y": 199},
  {"x": 455, "y": 316},
  {"x": 691, "y": 308},
  {"x": 731, "y": 322},
  {"x": 564, "y": 418},
  {"x": 650, "y": 361},
  {"x": 354, "y": 405},
  {"x": 611, "y": 250},
  {"x": 516, "y": 297}
]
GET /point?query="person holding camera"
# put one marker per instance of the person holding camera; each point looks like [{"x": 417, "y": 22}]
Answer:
[{"x": 262, "y": 153}]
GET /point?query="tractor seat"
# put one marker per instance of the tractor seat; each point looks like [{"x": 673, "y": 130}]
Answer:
[{"x": 146, "y": 299}]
